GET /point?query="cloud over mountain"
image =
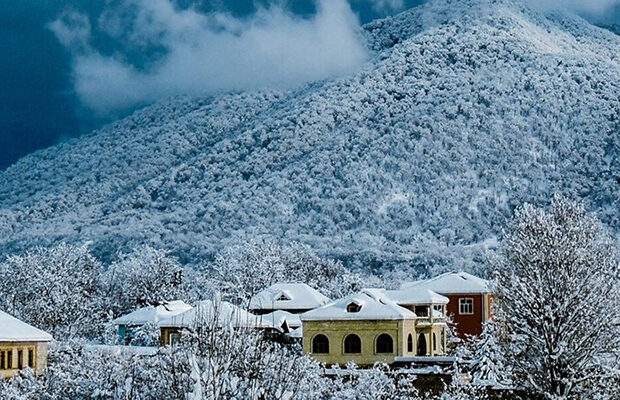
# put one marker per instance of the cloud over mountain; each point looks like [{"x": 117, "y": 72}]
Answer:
[{"x": 207, "y": 53}]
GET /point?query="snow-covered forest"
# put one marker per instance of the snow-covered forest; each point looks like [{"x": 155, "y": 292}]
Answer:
[{"x": 465, "y": 110}]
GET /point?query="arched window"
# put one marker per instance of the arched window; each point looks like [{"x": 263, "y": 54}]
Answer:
[
  {"x": 320, "y": 344},
  {"x": 410, "y": 343},
  {"x": 353, "y": 307},
  {"x": 434, "y": 342},
  {"x": 385, "y": 344},
  {"x": 352, "y": 344}
]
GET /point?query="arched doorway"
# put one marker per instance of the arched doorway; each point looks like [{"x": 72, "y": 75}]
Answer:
[{"x": 421, "y": 345}]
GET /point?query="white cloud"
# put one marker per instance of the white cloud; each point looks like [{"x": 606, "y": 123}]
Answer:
[
  {"x": 210, "y": 53},
  {"x": 592, "y": 7}
]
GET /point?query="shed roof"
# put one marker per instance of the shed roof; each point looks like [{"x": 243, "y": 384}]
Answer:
[
  {"x": 14, "y": 330},
  {"x": 374, "y": 305},
  {"x": 452, "y": 283},
  {"x": 288, "y": 296},
  {"x": 153, "y": 314}
]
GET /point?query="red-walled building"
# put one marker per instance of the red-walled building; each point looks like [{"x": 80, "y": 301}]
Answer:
[{"x": 470, "y": 299}]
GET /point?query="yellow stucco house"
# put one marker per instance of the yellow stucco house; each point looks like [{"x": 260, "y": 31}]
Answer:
[
  {"x": 370, "y": 326},
  {"x": 21, "y": 346}
]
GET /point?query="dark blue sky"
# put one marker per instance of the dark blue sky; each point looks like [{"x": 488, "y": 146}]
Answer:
[{"x": 38, "y": 106}]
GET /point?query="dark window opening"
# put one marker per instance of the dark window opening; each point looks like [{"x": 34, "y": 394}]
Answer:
[
  {"x": 20, "y": 359},
  {"x": 2, "y": 360},
  {"x": 354, "y": 307},
  {"x": 9, "y": 359},
  {"x": 421, "y": 311},
  {"x": 31, "y": 358},
  {"x": 410, "y": 343},
  {"x": 385, "y": 344},
  {"x": 320, "y": 344},
  {"x": 352, "y": 344}
]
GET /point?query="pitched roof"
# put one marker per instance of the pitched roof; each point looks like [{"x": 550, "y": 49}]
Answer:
[
  {"x": 153, "y": 314},
  {"x": 451, "y": 283},
  {"x": 222, "y": 313},
  {"x": 14, "y": 330},
  {"x": 416, "y": 296},
  {"x": 288, "y": 296},
  {"x": 374, "y": 305}
]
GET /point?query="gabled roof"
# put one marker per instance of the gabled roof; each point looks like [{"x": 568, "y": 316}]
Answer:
[
  {"x": 451, "y": 283},
  {"x": 222, "y": 313},
  {"x": 375, "y": 305},
  {"x": 300, "y": 297},
  {"x": 153, "y": 314},
  {"x": 14, "y": 330},
  {"x": 416, "y": 296}
]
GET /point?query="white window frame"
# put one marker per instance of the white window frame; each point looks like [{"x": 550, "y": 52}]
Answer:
[{"x": 464, "y": 301}]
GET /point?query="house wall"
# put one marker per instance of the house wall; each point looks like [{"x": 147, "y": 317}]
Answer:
[
  {"x": 39, "y": 352},
  {"x": 435, "y": 344},
  {"x": 368, "y": 331},
  {"x": 469, "y": 324}
]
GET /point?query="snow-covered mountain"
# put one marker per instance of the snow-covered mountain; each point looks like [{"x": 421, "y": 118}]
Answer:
[{"x": 466, "y": 109}]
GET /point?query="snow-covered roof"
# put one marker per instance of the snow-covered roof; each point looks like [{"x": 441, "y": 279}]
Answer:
[
  {"x": 451, "y": 283},
  {"x": 278, "y": 317},
  {"x": 288, "y": 296},
  {"x": 374, "y": 304},
  {"x": 153, "y": 314},
  {"x": 14, "y": 330},
  {"x": 416, "y": 296},
  {"x": 223, "y": 312}
]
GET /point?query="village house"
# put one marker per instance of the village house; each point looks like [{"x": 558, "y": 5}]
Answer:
[
  {"x": 470, "y": 299},
  {"x": 129, "y": 324},
  {"x": 366, "y": 327},
  {"x": 21, "y": 346},
  {"x": 209, "y": 313},
  {"x": 295, "y": 298}
]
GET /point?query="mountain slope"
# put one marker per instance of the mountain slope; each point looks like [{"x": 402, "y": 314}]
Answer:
[{"x": 467, "y": 109}]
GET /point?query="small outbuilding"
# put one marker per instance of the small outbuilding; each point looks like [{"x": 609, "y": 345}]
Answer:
[
  {"x": 129, "y": 324},
  {"x": 209, "y": 313},
  {"x": 21, "y": 346}
]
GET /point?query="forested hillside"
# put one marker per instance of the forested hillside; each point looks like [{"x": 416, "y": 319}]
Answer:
[{"x": 466, "y": 109}]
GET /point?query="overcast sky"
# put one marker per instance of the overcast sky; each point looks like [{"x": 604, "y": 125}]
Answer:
[{"x": 61, "y": 74}]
